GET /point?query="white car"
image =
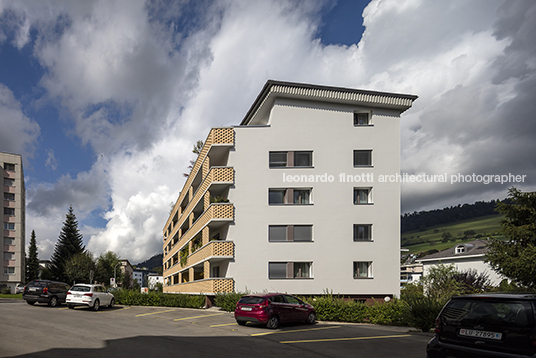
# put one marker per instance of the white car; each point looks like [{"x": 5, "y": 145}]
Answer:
[
  {"x": 93, "y": 296},
  {"x": 19, "y": 288}
]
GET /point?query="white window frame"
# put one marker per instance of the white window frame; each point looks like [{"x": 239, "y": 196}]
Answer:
[
  {"x": 369, "y": 196},
  {"x": 370, "y": 237},
  {"x": 289, "y": 231},
  {"x": 356, "y": 119},
  {"x": 290, "y": 270},
  {"x": 290, "y": 159},
  {"x": 358, "y": 271},
  {"x": 9, "y": 226},
  {"x": 288, "y": 196},
  {"x": 367, "y": 151}
]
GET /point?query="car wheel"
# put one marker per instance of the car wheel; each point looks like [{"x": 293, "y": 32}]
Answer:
[
  {"x": 53, "y": 301},
  {"x": 111, "y": 305},
  {"x": 96, "y": 305},
  {"x": 241, "y": 323},
  {"x": 311, "y": 318},
  {"x": 31, "y": 303},
  {"x": 273, "y": 322},
  {"x": 70, "y": 307}
]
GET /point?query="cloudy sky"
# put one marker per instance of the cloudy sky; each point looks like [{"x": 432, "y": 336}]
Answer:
[{"x": 104, "y": 99}]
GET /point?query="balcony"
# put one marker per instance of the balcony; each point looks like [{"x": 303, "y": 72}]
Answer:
[
  {"x": 206, "y": 286},
  {"x": 216, "y": 178},
  {"x": 213, "y": 250}
]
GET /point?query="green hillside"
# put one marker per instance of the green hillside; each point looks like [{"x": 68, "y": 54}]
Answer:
[{"x": 461, "y": 231}]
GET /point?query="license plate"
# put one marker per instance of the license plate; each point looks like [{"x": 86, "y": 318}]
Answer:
[
  {"x": 480, "y": 334},
  {"x": 245, "y": 308}
]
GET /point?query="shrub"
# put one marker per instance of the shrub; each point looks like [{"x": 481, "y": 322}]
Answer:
[
  {"x": 421, "y": 311},
  {"x": 338, "y": 309},
  {"x": 136, "y": 298},
  {"x": 227, "y": 301}
]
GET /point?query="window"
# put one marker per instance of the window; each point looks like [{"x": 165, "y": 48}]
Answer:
[
  {"x": 289, "y": 196},
  {"x": 278, "y": 270},
  {"x": 9, "y": 256},
  {"x": 9, "y": 241},
  {"x": 278, "y": 159},
  {"x": 9, "y": 211},
  {"x": 9, "y": 226},
  {"x": 9, "y": 196},
  {"x": 291, "y": 159},
  {"x": 362, "y": 119},
  {"x": 9, "y": 182},
  {"x": 301, "y": 196},
  {"x": 276, "y": 196},
  {"x": 362, "y": 158},
  {"x": 362, "y": 232},
  {"x": 283, "y": 233},
  {"x": 362, "y": 269},
  {"x": 9, "y": 270},
  {"x": 362, "y": 196},
  {"x": 9, "y": 167},
  {"x": 460, "y": 249}
]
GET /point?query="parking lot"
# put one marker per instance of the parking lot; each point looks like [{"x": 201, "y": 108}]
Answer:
[{"x": 124, "y": 331}]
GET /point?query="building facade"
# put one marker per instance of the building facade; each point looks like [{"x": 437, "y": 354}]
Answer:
[
  {"x": 13, "y": 270},
  {"x": 301, "y": 197}
]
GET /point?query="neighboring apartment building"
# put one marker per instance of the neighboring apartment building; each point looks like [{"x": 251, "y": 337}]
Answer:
[
  {"x": 13, "y": 265},
  {"x": 153, "y": 279},
  {"x": 292, "y": 199}
]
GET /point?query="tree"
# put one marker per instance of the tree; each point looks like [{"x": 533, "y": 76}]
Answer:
[
  {"x": 198, "y": 146},
  {"x": 33, "y": 262},
  {"x": 106, "y": 263},
  {"x": 516, "y": 257},
  {"x": 69, "y": 244},
  {"x": 78, "y": 268}
]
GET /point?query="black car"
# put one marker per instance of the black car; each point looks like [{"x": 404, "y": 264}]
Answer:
[
  {"x": 52, "y": 293},
  {"x": 486, "y": 325}
]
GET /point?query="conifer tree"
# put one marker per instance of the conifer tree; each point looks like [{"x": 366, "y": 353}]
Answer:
[
  {"x": 33, "y": 261},
  {"x": 69, "y": 244}
]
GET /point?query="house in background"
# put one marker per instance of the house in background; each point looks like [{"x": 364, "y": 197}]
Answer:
[
  {"x": 13, "y": 263},
  {"x": 141, "y": 276},
  {"x": 470, "y": 255},
  {"x": 125, "y": 266},
  {"x": 301, "y": 197},
  {"x": 153, "y": 279}
]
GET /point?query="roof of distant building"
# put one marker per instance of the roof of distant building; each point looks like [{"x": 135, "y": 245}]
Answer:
[{"x": 473, "y": 248}]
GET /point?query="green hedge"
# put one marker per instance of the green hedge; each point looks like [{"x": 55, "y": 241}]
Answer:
[
  {"x": 134, "y": 298},
  {"x": 338, "y": 309},
  {"x": 227, "y": 301}
]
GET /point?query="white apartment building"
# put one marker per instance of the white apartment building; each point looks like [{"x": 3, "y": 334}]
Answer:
[
  {"x": 301, "y": 197},
  {"x": 13, "y": 265}
]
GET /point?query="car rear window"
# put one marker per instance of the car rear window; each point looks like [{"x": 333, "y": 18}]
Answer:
[
  {"x": 492, "y": 312},
  {"x": 251, "y": 300},
  {"x": 37, "y": 284},
  {"x": 80, "y": 288}
]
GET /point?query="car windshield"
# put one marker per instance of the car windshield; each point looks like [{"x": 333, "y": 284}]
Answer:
[
  {"x": 471, "y": 312},
  {"x": 251, "y": 300},
  {"x": 80, "y": 288}
]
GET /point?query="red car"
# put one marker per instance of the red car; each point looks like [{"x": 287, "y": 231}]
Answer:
[{"x": 273, "y": 308}]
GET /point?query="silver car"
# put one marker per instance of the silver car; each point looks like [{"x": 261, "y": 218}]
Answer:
[{"x": 93, "y": 296}]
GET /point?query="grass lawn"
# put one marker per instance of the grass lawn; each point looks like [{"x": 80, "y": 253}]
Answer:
[
  {"x": 486, "y": 225},
  {"x": 18, "y": 296}
]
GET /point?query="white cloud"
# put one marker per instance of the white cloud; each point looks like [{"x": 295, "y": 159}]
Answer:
[{"x": 18, "y": 132}]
